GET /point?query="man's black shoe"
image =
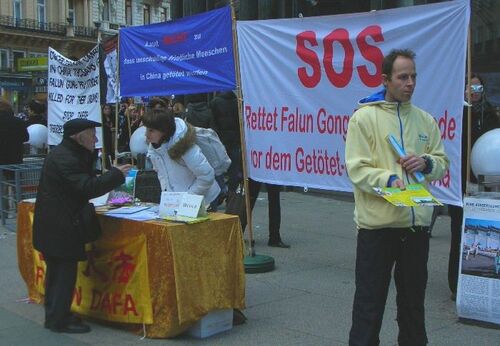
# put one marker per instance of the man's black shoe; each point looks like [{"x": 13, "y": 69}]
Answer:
[
  {"x": 278, "y": 243},
  {"x": 72, "y": 328},
  {"x": 72, "y": 319}
]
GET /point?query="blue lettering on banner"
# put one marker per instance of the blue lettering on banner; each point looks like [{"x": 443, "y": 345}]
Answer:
[{"x": 190, "y": 55}]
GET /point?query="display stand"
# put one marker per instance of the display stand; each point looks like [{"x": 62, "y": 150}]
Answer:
[{"x": 479, "y": 274}]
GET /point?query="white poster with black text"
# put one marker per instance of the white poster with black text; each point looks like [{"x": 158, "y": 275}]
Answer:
[
  {"x": 73, "y": 92},
  {"x": 478, "y": 295}
]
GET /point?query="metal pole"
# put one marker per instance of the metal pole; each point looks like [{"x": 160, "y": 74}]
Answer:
[
  {"x": 469, "y": 109},
  {"x": 117, "y": 102},
  {"x": 242, "y": 131}
]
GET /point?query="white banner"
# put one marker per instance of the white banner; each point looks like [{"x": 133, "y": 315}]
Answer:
[
  {"x": 73, "y": 89},
  {"x": 478, "y": 284},
  {"x": 302, "y": 79}
]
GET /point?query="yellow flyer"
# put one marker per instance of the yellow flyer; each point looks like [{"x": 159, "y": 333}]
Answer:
[{"x": 414, "y": 195}]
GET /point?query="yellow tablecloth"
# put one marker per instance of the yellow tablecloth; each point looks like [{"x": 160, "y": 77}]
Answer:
[{"x": 193, "y": 269}]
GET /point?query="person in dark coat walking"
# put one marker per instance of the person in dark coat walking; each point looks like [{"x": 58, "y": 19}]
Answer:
[
  {"x": 225, "y": 112},
  {"x": 13, "y": 134},
  {"x": 483, "y": 119},
  {"x": 198, "y": 113},
  {"x": 36, "y": 113},
  {"x": 66, "y": 184}
]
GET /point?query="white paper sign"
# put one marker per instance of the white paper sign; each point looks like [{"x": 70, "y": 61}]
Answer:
[
  {"x": 73, "y": 92},
  {"x": 479, "y": 276},
  {"x": 169, "y": 203},
  {"x": 190, "y": 205}
]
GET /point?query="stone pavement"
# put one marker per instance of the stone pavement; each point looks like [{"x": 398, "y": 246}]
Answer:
[{"x": 306, "y": 300}]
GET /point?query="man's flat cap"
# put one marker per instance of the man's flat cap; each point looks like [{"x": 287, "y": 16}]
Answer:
[{"x": 74, "y": 126}]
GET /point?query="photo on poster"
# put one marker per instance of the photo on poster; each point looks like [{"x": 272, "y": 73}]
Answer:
[{"x": 481, "y": 248}]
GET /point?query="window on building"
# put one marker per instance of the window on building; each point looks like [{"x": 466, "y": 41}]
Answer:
[
  {"x": 105, "y": 10},
  {"x": 147, "y": 14},
  {"x": 71, "y": 11},
  {"x": 18, "y": 13},
  {"x": 128, "y": 12},
  {"x": 163, "y": 14},
  {"x": 40, "y": 13},
  {"x": 18, "y": 54},
  {"x": 4, "y": 59}
]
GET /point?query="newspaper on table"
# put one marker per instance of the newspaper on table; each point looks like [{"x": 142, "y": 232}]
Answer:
[{"x": 478, "y": 295}]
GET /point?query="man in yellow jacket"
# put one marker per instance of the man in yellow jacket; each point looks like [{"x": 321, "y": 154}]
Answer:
[{"x": 390, "y": 235}]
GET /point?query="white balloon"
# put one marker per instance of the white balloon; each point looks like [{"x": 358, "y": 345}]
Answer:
[
  {"x": 485, "y": 154},
  {"x": 138, "y": 144},
  {"x": 38, "y": 135}
]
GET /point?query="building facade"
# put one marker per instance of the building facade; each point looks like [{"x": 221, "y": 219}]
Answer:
[{"x": 72, "y": 27}]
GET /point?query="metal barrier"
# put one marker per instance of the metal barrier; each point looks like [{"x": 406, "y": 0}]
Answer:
[
  {"x": 18, "y": 182},
  {"x": 488, "y": 183}
]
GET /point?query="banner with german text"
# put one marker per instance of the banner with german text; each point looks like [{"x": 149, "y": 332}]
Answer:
[
  {"x": 302, "y": 79},
  {"x": 188, "y": 55}
]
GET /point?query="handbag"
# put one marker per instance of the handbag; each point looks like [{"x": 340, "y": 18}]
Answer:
[
  {"x": 235, "y": 204},
  {"x": 87, "y": 224}
]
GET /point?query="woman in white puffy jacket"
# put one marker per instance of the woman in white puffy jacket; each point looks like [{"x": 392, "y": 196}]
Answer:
[{"x": 179, "y": 162}]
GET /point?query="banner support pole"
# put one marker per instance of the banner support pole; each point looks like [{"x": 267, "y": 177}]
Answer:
[
  {"x": 253, "y": 263},
  {"x": 104, "y": 153},
  {"x": 469, "y": 108},
  {"x": 242, "y": 130},
  {"x": 117, "y": 97}
]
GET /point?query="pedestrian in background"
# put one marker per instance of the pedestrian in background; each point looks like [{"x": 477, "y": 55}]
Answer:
[
  {"x": 274, "y": 211},
  {"x": 108, "y": 121},
  {"x": 13, "y": 134},
  {"x": 225, "y": 112},
  {"x": 483, "y": 119},
  {"x": 197, "y": 111},
  {"x": 37, "y": 113}
]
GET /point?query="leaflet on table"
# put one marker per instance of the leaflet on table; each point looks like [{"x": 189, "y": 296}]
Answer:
[
  {"x": 149, "y": 213},
  {"x": 100, "y": 201},
  {"x": 186, "y": 219},
  {"x": 127, "y": 210},
  {"x": 415, "y": 195}
]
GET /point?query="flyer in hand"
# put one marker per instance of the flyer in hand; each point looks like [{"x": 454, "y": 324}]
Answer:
[{"x": 415, "y": 195}]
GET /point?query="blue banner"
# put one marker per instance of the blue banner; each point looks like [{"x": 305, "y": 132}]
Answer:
[{"x": 186, "y": 56}]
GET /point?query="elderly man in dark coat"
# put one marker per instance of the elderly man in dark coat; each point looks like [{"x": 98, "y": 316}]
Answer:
[{"x": 66, "y": 184}]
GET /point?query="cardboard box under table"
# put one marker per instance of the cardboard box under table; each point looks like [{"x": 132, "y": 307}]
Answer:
[{"x": 164, "y": 275}]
